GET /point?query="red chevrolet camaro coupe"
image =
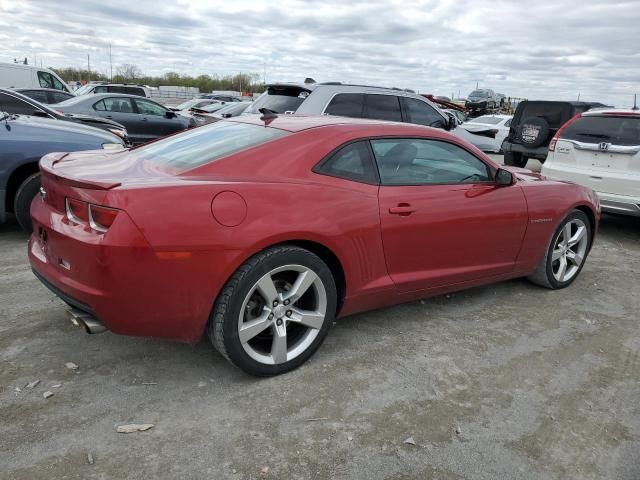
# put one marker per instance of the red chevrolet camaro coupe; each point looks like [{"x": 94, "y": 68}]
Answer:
[{"x": 261, "y": 231}]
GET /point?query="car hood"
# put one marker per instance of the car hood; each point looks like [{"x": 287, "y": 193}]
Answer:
[
  {"x": 70, "y": 128},
  {"x": 478, "y": 127}
]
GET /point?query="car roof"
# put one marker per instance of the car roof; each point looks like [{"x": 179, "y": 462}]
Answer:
[
  {"x": 623, "y": 112},
  {"x": 40, "y": 89},
  {"x": 95, "y": 96},
  {"x": 297, "y": 123},
  {"x": 312, "y": 86}
]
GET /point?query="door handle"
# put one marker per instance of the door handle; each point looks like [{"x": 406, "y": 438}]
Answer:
[
  {"x": 143, "y": 119},
  {"x": 402, "y": 209},
  {"x": 108, "y": 116}
]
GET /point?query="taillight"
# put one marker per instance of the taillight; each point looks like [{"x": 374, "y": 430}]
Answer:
[
  {"x": 77, "y": 211},
  {"x": 556, "y": 137},
  {"x": 99, "y": 218},
  {"x": 494, "y": 133}
]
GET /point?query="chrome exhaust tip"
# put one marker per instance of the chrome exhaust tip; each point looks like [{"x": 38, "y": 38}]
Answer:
[{"x": 88, "y": 322}]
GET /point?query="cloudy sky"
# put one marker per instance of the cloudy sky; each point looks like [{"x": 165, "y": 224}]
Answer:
[{"x": 552, "y": 49}]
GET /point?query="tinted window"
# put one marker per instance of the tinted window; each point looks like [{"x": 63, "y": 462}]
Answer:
[
  {"x": 100, "y": 89},
  {"x": 346, "y": 105},
  {"x": 426, "y": 162},
  {"x": 280, "y": 99},
  {"x": 423, "y": 114},
  {"x": 383, "y": 107},
  {"x": 122, "y": 105},
  {"x": 149, "y": 108},
  {"x": 58, "y": 97},
  {"x": 11, "y": 104},
  {"x": 615, "y": 130},
  {"x": 206, "y": 144},
  {"x": 38, "y": 95},
  {"x": 352, "y": 162}
]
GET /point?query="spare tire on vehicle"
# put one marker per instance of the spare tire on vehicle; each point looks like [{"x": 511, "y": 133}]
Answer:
[{"x": 533, "y": 131}]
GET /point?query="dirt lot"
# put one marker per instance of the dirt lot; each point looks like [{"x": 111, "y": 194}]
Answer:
[{"x": 508, "y": 381}]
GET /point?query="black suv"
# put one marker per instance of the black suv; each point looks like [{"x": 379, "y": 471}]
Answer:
[{"x": 533, "y": 126}]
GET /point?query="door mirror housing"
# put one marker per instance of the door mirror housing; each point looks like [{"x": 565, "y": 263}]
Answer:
[
  {"x": 504, "y": 178},
  {"x": 452, "y": 122},
  {"x": 170, "y": 114}
]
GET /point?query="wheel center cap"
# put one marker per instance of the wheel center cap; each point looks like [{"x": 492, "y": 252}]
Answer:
[{"x": 279, "y": 311}]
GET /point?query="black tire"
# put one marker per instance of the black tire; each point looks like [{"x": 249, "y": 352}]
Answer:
[
  {"x": 22, "y": 201},
  {"x": 543, "y": 275},
  {"x": 223, "y": 322},
  {"x": 533, "y": 131},
  {"x": 515, "y": 159}
]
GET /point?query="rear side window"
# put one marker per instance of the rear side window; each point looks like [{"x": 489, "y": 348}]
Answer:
[
  {"x": 614, "y": 130},
  {"x": 206, "y": 144},
  {"x": 58, "y": 97},
  {"x": 146, "y": 107},
  {"x": 280, "y": 99},
  {"x": 346, "y": 105},
  {"x": 38, "y": 95},
  {"x": 383, "y": 107},
  {"x": 423, "y": 114},
  {"x": 351, "y": 162}
]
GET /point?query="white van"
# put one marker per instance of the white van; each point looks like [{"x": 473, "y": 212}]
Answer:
[{"x": 18, "y": 75}]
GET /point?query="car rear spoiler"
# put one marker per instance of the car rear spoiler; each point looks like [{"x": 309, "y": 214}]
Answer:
[{"x": 47, "y": 169}]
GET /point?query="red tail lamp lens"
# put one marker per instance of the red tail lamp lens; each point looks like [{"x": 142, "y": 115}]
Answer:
[
  {"x": 77, "y": 210},
  {"x": 101, "y": 218}
]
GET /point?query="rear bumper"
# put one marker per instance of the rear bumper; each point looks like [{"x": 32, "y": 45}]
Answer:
[
  {"x": 619, "y": 204},
  {"x": 121, "y": 281}
]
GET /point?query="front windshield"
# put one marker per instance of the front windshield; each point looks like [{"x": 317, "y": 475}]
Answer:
[
  {"x": 487, "y": 119},
  {"x": 188, "y": 104},
  {"x": 84, "y": 89},
  {"x": 479, "y": 93}
]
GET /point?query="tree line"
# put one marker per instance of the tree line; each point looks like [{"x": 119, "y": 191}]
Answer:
[{"x": 127, "y": 73}]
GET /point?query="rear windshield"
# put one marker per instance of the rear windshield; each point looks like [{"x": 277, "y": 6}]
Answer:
[
  {"x": 205, "y": 144},
  {"x": 555, "y": 114},
  {"x": 280, "y": 99},
  {"x": 614, "y": 130}
]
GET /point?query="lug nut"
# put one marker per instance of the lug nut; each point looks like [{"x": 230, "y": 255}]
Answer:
[
  {"x": 270, "y": 316},
  {"x": 279, "y": 322},
  {"x": 289, "y": 313},
  {"x": 286, "y": 302},
  {"x": 275, "y": 303}
]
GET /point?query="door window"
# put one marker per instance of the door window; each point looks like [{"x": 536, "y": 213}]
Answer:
[
  {"x": 351, "y": 162},
  {"x": 37, "y": 95},
  {"x": 47, "y": 80},
  {"x": 346, "y": 105},
  {"x": 410, "y": 161},
  {"x": 383, "y": 107},
  {"x": 423, "y": 114},
  {"x": 11, "y": 104},
  {"x": 146, "y": 107},
  {"x": 114, "y": 104}
]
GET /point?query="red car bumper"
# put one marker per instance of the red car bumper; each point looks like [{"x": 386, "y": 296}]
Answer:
[{"x": 118, "y": 278}]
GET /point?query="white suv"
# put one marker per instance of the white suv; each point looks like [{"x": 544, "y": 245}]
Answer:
[
  {"x": 361, "y": 101},
  {"x": 601, "y": 150}
]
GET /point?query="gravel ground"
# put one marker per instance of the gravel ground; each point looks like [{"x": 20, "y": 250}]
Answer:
[{"x": 508, "y": 381}]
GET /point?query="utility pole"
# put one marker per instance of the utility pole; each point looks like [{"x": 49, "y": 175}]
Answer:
[
  {"x": 578, "y": 96},
  {"x": 476, "y": 84},
  {"x": 264, "y": 73},
  {"x": 110, "y": 65},
  {"x": 88, "y": 68}
]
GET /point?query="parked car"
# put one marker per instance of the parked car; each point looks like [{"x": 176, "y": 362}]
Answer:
[
  {"x": 18, "y": 75},
  {"x": 259, "y": 231},
  {"x": 355, "y": 101},
  {"x": 14, "y": 102},
  {"x": 601, "y": 150},
  {"x": 23, "y": 141},
  {"x": 228, "y": 110},
  {"x": 460, "y": 116},
  {"x": 45, "y": 95},
  {"x": 220, "y": 97},
  {"x": 200, "y": 114},
  {"x": 184, "y": 107},
  {"x": 103, "y": 87},
  {"x": 533, "y": 126},
  {"x": 144, "y": 119},
  {"x": 488, "y": 131},
  {"x": 481, "y": 102}
]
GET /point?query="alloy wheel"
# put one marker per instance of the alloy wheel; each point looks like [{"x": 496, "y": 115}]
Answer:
[
  {"x": 569, "y": 250},
  {"x": 282, "y": 314}
]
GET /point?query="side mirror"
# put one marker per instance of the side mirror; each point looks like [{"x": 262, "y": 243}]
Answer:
[
  {"x": 170, "y": 114},
  {"x": 504, "y": 178},
  {"x": 452, "y": 122}
]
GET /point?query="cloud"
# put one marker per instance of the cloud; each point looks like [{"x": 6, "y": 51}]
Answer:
[{"x": 547, "y": 49}]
